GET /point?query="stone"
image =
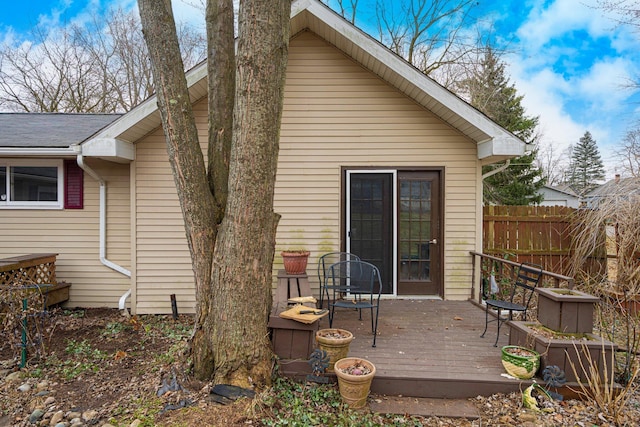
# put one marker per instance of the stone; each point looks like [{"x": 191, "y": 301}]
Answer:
[
  {"x": 24, "y": 388},
  {"x": 73, "y": 414},
  {"x": 61, "y": 425},
  {"x": 36, "y": 415},
  {"x": 76, "y": 421},
  {"x": 89, "y": 415},
  {"x": 135, "y": 423},
  {"x": 56, "y": 418},
  {"x": 49, "y": 400},
  {"x": 13, "y": 376},
  {"x": 42, "y": 385}
]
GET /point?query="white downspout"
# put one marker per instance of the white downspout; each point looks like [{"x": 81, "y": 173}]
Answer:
[
  {"x": 497, "y": 170},
  {"x": 103, "y": 228}
]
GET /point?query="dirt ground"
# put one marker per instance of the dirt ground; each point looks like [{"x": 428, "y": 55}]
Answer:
[{"x": 106, "y": 366}]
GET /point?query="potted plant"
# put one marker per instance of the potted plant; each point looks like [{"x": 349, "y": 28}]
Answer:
[
  {"x": 335, "y": 342},
  {"x": 520, "y": 362},
  {"x": 354, "y": 380},
  {"x": 295, "y": 261}
]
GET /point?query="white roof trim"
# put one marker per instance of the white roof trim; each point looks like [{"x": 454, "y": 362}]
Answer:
[
  {"x": 495, "y": 144},
  {"x": 111, "y": 149}
]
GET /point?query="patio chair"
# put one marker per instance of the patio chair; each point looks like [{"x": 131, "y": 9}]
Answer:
[
  {"x": 324, "y": 263},
  {"x": 520, "y": 295},
  {"x": 360, "y": 282}
]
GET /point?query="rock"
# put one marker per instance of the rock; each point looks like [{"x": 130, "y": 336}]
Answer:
[
  {"x": 76, "y": 421},
  {"x": 56, "y": 418},
  {"x": 61, "y": 425},
  {"x": 49, "y": 400},
  {"x": 36, "y": 415},
  {"x": 24, "y": 388},
  {"x": 89, "y": 415},
  {"x": 13, "y": 376},
  {"x": 135, "y": 423},
  {"x": 42, "y": 385},
  {"x": 73, "y": 414}
]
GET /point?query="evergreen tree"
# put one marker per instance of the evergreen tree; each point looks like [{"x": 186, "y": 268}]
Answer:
[
  {"x": 586, "y": 167},
  {"x": 488, "y": 90}
]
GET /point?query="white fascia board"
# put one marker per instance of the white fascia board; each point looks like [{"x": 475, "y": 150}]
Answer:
[
  {"x": 109, "y": 149},
  {"x": 502, "y": 146}
]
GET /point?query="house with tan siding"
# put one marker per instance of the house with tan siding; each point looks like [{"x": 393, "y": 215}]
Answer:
[{"x": 375, "y": 158}]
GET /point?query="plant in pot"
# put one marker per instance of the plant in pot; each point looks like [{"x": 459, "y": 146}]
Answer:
[
  {"x": 520, "y": 362},
  {"x": 295, "y": 260},
  {"x": 335, "y": 342},
  {"x": 354, "y": 380}
]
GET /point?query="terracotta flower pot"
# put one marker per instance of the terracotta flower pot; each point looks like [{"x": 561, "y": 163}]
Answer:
[
  {"x": 335, "y": 342},
  {"x": 295, "y": 262},
  {"x": 354, "y": 380}
]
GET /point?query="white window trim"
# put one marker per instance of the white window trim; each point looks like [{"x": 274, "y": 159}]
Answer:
[{"x": 59, "y": 204}]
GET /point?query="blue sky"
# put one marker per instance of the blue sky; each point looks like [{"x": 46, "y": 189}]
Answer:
[{"x": 568, "y": 60}]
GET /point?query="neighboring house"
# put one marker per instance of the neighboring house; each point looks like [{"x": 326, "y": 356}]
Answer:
[
  {"x": 375, "y": 158},
  {"x": 616, "y": 187},
  {"x": 560, "y": 195}
]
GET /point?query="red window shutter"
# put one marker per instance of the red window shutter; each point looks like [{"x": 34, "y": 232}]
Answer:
[{"x": 73, "y": 185}]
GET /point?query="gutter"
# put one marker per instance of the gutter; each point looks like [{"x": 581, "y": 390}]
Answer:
[
  {"x": 103, "y": 227},
  {"x": 22, "y": 152}
]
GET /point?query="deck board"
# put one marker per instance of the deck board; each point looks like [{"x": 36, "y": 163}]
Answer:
[{"x": 429, "y": 348}]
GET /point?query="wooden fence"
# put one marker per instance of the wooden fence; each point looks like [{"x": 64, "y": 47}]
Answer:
[{"x": 538, "y": 234}]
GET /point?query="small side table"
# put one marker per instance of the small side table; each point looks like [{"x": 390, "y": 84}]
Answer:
[{"x": 291, "y": 286}]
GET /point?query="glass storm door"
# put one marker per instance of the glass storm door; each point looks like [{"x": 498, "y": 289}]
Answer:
[{"x": 370, "y": 221}]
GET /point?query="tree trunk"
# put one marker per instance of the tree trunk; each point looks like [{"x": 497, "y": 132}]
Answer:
[
  {"x": 243, "y": 257},
  {"x": 181, "y": 134},
  {"x": 230, "y": 342}
]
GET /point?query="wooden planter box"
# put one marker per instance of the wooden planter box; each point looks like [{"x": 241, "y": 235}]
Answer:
[
  {"x": 565, "y": 352},
  {"x": 566, "y": 310},
  {"x": 291, "y": 339}
]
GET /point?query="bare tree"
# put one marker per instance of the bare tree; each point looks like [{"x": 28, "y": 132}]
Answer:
[
  {"x": 101, "y": 66},
  {"x": 629, "y": 153},
  {"x": 232, "y": 243},
  {"x": 436, "y": 36},
  {"x": 427, "y": 33}
]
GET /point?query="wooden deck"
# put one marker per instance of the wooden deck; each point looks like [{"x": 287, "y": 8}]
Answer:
[{"x": 429, "y": 348}]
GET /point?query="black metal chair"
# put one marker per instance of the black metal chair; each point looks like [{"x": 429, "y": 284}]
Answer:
[
  {"x": 324, "y": 262},
  {"x": 520, "y": 296},
  {"x": 360, "y": 282}
]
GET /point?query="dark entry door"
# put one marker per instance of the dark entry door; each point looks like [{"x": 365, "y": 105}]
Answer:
[
  {"x": 370, "y": 221},
  {"x": 418, "y": 233}
]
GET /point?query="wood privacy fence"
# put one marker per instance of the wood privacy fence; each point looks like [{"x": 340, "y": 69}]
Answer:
[{"x": 538, "y": 234}]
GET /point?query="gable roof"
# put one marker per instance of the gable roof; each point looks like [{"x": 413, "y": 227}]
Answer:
[
  {"x": 50, "y": 130},
  {"x": 115, "y": 141},
  {"x": 493, "y": 142}
]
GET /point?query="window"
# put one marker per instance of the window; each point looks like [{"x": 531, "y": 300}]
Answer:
[{"x": 39, "y": 184}]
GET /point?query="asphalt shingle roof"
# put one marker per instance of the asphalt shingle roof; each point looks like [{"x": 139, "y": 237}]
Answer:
[{"x": 49, "y": 130}]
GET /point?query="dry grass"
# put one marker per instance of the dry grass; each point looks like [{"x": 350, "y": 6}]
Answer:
[
  {"x": 603, "y": 391},
  {"x": 618, "y": 214}
]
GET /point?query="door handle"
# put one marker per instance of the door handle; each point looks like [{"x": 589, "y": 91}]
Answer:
[{"x": 433, "y": 241}]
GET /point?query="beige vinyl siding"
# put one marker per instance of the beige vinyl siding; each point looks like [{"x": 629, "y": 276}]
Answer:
[
  {"x": 337, "y": 114},
  {"x": 74, "y": 235},
  {"x": 163, "y": 262}
]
